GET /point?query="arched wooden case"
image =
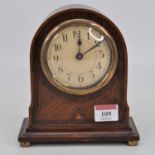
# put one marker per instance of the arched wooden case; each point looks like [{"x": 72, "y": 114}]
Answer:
[{"x": 55, "y": 116}]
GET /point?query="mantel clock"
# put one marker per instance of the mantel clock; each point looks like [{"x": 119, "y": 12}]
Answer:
[{"x": 78, "y": 63}]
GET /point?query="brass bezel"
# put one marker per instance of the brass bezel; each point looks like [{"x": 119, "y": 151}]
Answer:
[{"x": 105, "y": 79}]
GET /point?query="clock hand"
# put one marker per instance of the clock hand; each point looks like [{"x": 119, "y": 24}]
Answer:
[
  {"x": 79, "y": 44},
  {"x": 79, "y": 55},
  {"x": 92, "y": 48}
]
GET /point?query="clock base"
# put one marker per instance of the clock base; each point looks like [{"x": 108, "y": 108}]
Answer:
[{"x": 26, "y": 138}]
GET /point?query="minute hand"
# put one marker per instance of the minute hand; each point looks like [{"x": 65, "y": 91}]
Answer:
[{"x": 91, "y": 48}]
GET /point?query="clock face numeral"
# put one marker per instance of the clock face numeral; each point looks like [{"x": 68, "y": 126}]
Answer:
[
  {"x": 99, "y": 66},
  {"x": 68, "y": 76},
  {"x": 55, "y": 58},
  {"x": 65, "y": 38},
  {"x": 76, "y": 33},
  {"x": 57, "y": 47},
  {"x": 60, "y": 69},
  {"x": 88, "y": 35},
  {"x": 96, "y": 43},
  {"x": 80, "y": 78},
  {"x": 92, "y": 75},
  {"x": 101, "y": 54}
]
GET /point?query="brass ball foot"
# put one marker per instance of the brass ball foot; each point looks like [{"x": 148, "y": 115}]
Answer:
[
  {"x": 25, "y": 144},
  {"x": 132, "y": 143}
]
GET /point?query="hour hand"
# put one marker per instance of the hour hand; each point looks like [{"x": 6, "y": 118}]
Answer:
[
  {"x": 79, "y": 55},
  {"x": 79, "y": 42}
]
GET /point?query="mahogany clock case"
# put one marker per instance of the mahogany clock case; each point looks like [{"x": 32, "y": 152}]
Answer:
[{"x": 55, "y": 116}]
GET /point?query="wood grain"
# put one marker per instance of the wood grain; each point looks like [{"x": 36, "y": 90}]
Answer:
[{"x": 72, "y": 116}]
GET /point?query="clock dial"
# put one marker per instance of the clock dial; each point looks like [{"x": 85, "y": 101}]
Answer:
[{"x": 79, "y": 57}]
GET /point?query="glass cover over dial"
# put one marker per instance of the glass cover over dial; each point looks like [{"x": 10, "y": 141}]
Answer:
[{"x": 79, "y": 57}]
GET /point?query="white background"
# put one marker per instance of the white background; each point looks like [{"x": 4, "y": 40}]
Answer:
[{"x": 19, "y": 20}]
